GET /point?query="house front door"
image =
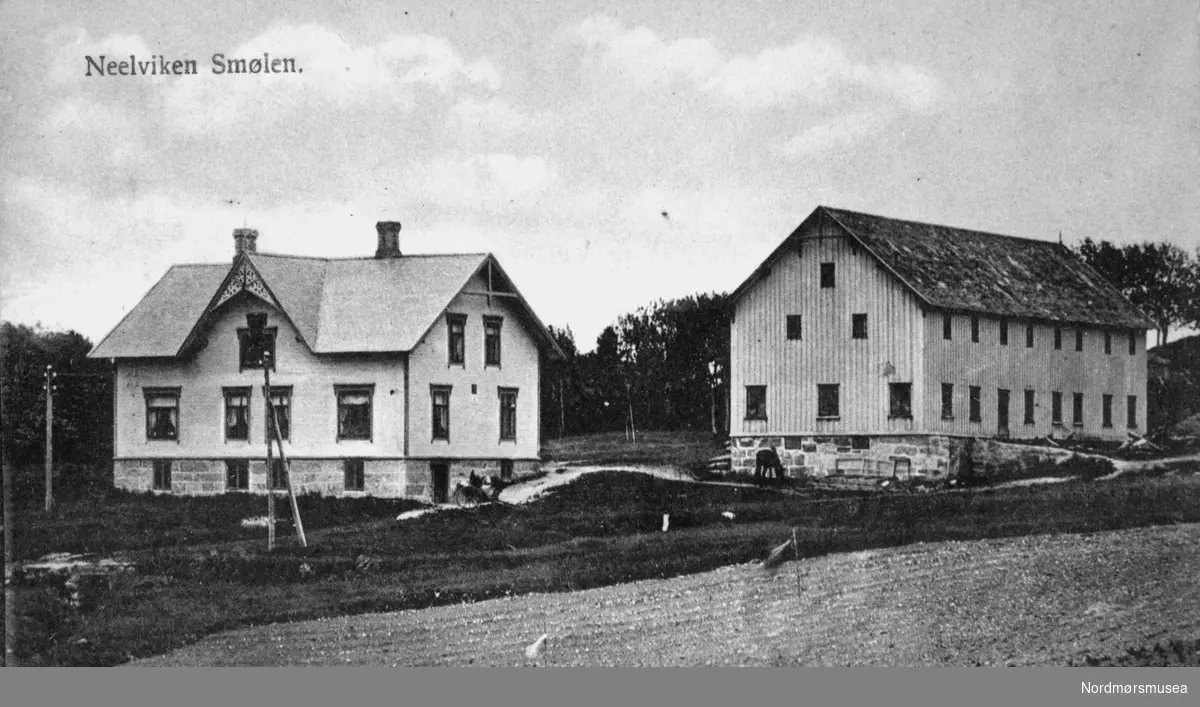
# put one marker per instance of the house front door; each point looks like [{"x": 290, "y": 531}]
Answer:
[
  {"x": 1002, "y": 412},
  {"x": 440, "y": 471}
]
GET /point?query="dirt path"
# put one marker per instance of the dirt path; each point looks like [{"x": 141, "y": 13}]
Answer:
[{"x": 1024, "y": 601}]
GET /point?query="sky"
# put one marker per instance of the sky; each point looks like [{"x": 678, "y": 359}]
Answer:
[{"x": 609, "y": 154}]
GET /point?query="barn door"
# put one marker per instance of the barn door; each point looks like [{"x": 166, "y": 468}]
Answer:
[
  {"x": 440, "y": 471},
  {"x": 1002, "y": 412}
]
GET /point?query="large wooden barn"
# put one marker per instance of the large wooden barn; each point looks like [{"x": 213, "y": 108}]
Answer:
[
  {"x": 870, "y": 345},
  {"x": 394, "y": 375}
]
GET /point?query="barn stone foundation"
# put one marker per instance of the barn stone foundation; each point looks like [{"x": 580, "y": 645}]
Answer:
[
  {"x": 902, "y": 457},
  {"x": 391, "y": 478}
]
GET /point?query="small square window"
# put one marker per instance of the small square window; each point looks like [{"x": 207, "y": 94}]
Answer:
[
  {"x": 975, "y": 330},
  {"x": 440, "y": 398},
  {"x": 858, "y": 326},
  {"x": 506, "y": 469},
  {"x": 237, "y": 414},
  {"x": 976, "y": 403},
  {"x": 354, "y": 411},
  {"x": 828, "y": 405},
  {"x": 254, "y": 353},
  {"x": 237, "y": 474},
  {"x": 900, "y": 401},
  {"x": 353, "y": 470},
  {"x": 756, "y": 402},
  {"x": 162, "y": 475},
  {"x": 456, "y": 338},
  {"x": 947, "y": 401},
  {"x": 860, "y": 442},
  {"x": 794, "y": 327},
  {"x": 828, "y": 277},
  {"x": 491, "y": 340}
]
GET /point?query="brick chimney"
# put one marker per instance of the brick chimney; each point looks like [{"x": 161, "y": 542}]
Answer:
[
  {"x": 245, "y": 240},
  {"x": 389, "y": 239}
]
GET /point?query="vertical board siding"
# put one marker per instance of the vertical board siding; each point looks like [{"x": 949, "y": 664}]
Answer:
[
  {"x": 762, "y": 354},
  {"x": 1042, "y": 368}
]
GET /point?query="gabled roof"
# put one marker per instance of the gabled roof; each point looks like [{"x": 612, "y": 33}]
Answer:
[
  {"x": 957, "y": 269},
  {"x": 349, "y": 305}
]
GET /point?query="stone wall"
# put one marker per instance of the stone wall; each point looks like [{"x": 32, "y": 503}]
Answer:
[{"x": 928, "y": 456}]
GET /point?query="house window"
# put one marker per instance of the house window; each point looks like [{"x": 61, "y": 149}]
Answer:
[
  {"x": 162, "y": 475},
  {"x": 1108, "y": 343},
  {"x": 1077, "y": 410},
  {"x": 237, "y": 474},
  {"x": 1132, "y": 343},
  {"x": 279, "y": 475},
  {"x": 858, "y": 326},
  {"x": 1106, "y": 410},
  {"x": 827, "y": 401},
  {"x": 162, "y": 413},
  {"x": 506, "y": 468},
  {"x": 1029, "y": 395},
  {"x": 947, "y": 401},
  {"x": 251, "y": 353},
  {"x": 508, "y": 413},
  {"x": 900, "y": 401},
  {"x": 974, "y": 396},
  {"x": 1079, "y": 339},
  {"x": 1131, "y": 412},
  {"x": 974, "y": 330},
  {"x": 1029, "y": 336},
  {"x": 491, "y": 340},
  {"x": 1004, "y": 332},
  {"x": 794, "y": 328},
  {"x": 756, "y": 402},
  {"x": 456, "y": 335},
  {"x": 1057, "y": 338},
  {"x": 282, "y": 400},
  {"x": 354, "y": 411},
  {"x": 353, "y": 471},
  {"x": 828, "y": 278},
  {"x": 440, "y": 396},
  {"x": 947, "y": 327},
  {"x": 1056, "y": 408},
  {"x": 237, "y": 414}
]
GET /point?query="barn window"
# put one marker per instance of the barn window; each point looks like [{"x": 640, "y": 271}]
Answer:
[
  {"x": 251, "y": 353},
  {"x": 456, "y": 338},
  {"x": 237, "y": 474},
  {"x": 858, "y": 326},
  {"x": 1077, "y": 410},
  {"x": 162, "y": 413},
  {"x": 237, "y": 414},
  {"x": 1029, "y": 336},
  {"x": 1132, "y": 343},
  {"x": 491, "y": 340},
  {"x": 827, "y": 401},
  {"x": 1079, "y": 339},
  {"x": 1004, "y": 332},
  {"x": 1131, "y": 412},
  {"x": 1108, "y": 342},
  {"x": 947, "y": 326},
  {"x": 974, "y": 329},
  {"x": 947, "y": 401},
  {"x": 1029, "y": 395},
  {"x": 354, "y": 472},
  {"x": 508, "y": 413},
  {"x": 828, "y": 278},
  {"x": 794, "y": 327},
  {"x": 974, "y": 396},
  {"x": 354, "y": 411},
  {"x": 1056, "y": 408},
  {"x": 860, "y": 442},
  {"x": 900, "y": 401},
  {"x": 756, "y": 402},
  {"x": 279, "y": 475},
  {"x": 1057, "y": 338},
  {"x": 1106, "y": 410},
  {"x": 162, "y": 475},
  {"x": 281, "y": 398},
  {"x": 440, "y": 398}
]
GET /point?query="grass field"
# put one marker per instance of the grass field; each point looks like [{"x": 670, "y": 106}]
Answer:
[
  {"x": 200, "y": 572},
  {"x": 690, "y": 450}
]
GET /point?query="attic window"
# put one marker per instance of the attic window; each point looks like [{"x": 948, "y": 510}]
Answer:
[
  {"x": 1107, "y": 342},
  {"x": 947, "y": 326},
  {"x": 1004, "y": 332},
  {"x": 1132, "y": 343},
  {"x": 1057, "y": 338},
  {"x": 975, "y": 329},
  {"x": 828, "y": 277},
  {"x": 1029, "y": 336},
  {"x": 456, "y": 337},
  {"x": 1079, "y": 339},
  {"x": 251, "y": 353},
  {"x": 491, "y": 340}
]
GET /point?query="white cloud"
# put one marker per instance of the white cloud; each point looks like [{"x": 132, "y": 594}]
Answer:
[
  {"x": 835, "y": 133},
  {"x": 493, "y": 116},
  {"x": 639, "y": 55},
  {"x": 492, "y": 181}
]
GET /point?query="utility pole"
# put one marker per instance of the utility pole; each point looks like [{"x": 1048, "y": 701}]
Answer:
[
  {"x": 10, "y": 566},
  {"x": 49, "y": 438}
]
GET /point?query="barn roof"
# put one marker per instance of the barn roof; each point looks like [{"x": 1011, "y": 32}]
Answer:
[
  {"x": 957, "y": 269},
  {"x": 338, "y": 305}
]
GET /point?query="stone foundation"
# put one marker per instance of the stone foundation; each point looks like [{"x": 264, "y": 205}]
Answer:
[
  {"x": 391, "y": 478},
  {"x": 902, "y": 457}
]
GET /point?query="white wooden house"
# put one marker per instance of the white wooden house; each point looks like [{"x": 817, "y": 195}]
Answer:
[
  {"x": 394, "y": 375},
  {"x": 870, "y": 345}
]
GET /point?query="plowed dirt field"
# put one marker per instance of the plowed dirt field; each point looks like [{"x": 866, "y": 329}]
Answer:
[{"x": 1043, "y": 600}]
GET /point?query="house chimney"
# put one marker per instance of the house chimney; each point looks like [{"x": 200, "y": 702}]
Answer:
[
  {"x": 389, "y": 239},
  {"x": 245, "y": 240}
]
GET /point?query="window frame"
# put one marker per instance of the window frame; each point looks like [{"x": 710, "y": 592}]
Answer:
[
  {"x": 1106, "y": 400},
  {"x": 227, "y": 393},
  {"x": 1003, "y": 331},
  {"x": 1058, "y": 338},
  {"x": 436, "y": 389},
  {"x": 947, "y": 327},
  {"x": 346, "y": 389},
  {"x": 160, "y": 474},
  {"x": 823, "y": 401},
  {"x": 947, "y": 401},
  {"x": 456, "y": 355},
  {"x": 1079, "y": 339},
  {"x": 1029, "y": 336},
  {"x": 898, "y": 408},
  {"x": 760, "y": 410},
  {"x": 237, "y": 474},
  {"x": 354, "y": 469},
  {"x": 974, "y": 328},
  {"x": 243, "y": 334},
  {"x": 1056, "y": 408},
  {"x": 1131, "y": 412},
  {"x": 974, "y": 403},
  {"x": 794, "y": 326},
  {"x": 1030, "y": 405},
  {"x": 1077, "y": 409},
  {"x": 162, "y": 392},
  {"x": 281, "y": 391},
  {"x": 1108, "y": 343},
  {"x": 490, "y": 321},
  {"x": 506, "y": 412},
  {"x": 828, "y": 275},
  {"x": 858, "y": 325}
]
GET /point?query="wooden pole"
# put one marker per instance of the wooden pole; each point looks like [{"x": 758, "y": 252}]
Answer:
[
  {"x": 270, "y": 500},
  {"x": 796, "y": 550},
  {"x": 49, "y": 438},
  {"x": 275, "y": 434},
  {"x": 10, "y": 566}
]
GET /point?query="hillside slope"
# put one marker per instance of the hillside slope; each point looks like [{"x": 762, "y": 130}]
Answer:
[{"x": 1174, "y": 386}]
